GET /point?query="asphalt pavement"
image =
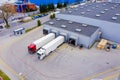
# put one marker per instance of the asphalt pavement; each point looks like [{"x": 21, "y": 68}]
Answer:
[
  {"x": 17, "y": 25},
  {"x": 65, "y": 63}
]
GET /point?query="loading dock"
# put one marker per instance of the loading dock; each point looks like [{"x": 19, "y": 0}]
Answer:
[
  {"x": 77, "y": 33},
  {"x": 72, "y": 40},
  {"x": 54, "y": 31},
  {"x": 65, "y": 35},
  {"x": 45, "y": 31}
]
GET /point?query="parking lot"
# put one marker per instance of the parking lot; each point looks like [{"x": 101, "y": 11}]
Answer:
[{"x": 65, "y": 63}]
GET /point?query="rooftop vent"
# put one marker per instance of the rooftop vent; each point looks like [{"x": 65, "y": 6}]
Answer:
[
  {"x": 88, "y": 10},
  {"x": 97, "y": 15},
  {"x": 112, "y": 8},
  {"x": 81, "y": 7},
  {"x": 90, "y": 4},
  {"x": 93, "y": 7},
  {"x": 58, "y": 19},
  {"x": 117, "y": 14},
  {"x": 102, "y": 12},
  {"x": 51, "y": 23},
  {"x": 70, "y": 11},
  {"x": 115, "y": 5},
  {"x": 82, "y": 12},
  {"x": 96, "y": 6},
  {"x": 104, "y": 4},
  {"x": 114, "y": 18},
  {"x": 84, "y": 25},
  {"x": 63, "y": 26},
  {"x": 78, "y": 30},
  {"x": 76, "y": 9},
  {"x": 70, "y": 22},
  {"x": 106, "y": 9}
]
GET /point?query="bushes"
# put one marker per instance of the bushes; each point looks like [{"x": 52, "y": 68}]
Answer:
[
  {"x": 4, "y": 76},
  {"x": 38, "y": 23},
  {"x": 52, "y": 16},
  {"x": 27, "y": 30}
]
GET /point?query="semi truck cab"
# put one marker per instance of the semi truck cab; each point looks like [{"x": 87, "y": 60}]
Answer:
[
  {"x": 32, "y": 48},
  {"x": 41, "y": 53}
]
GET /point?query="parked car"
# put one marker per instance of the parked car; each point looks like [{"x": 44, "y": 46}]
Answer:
[{"x": 1, "y": 27}]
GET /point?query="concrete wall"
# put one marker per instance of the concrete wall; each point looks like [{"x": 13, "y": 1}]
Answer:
[
  {"x": 94, "y": 37},
  {"x": 114, "y": 1},
  {"x": 109, "y": 30},
  {"x": 80, "y": 39}
]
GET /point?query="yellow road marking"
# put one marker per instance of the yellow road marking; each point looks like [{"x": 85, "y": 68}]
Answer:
[
  {"x": 101, "y": 73},
  {"x": 2, "y": 47},
  {"x": 111, "y": 76},
  {"x": 7, "y": 67},
  {"x": 11, "y": 70}
]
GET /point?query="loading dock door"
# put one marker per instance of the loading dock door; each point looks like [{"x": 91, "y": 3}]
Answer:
[
  {"x": 54, "y": 31},
  {"x": 45, "y": 31},
  {"x": 72, "y": 41},
  {"x": 65, "y": 35}
]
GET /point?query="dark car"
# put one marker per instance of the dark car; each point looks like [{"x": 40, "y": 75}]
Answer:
[{"x": 1, "y": 27}]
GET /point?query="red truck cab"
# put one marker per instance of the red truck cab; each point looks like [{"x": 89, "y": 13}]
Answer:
[{"x": 32, "y": 48}]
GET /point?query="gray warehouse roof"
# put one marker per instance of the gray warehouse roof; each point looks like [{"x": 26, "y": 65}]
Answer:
[
  {"x": 78, "y": 28},
  {"x": 103, "y": 11}
]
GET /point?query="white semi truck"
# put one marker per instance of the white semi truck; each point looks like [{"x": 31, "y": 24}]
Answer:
[
  {"x": 33, "y": 47},
  {"x": 49, "y": 47}
]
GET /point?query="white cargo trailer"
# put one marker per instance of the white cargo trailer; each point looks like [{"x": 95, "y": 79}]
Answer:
[
  {"x": 51, "y": 46},
  {"x": 32, "y": 48}
]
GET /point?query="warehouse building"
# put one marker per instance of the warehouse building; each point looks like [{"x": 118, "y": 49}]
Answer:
[
  {"x": 105, "y": 15},
  {"x": 75, "y": 33}
]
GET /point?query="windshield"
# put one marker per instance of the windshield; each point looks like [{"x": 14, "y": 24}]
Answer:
[
  {"x": 30, "y": 49},
  {"x": 38, "y": 54}
]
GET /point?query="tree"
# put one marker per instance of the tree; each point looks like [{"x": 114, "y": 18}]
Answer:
[
  {"x": 59, "y": 5},
  {"x": 52, "y": 16},
  {"x": 65, "y": 4},
  {"x": 6, "y": 11},
  {"x": 51, "y": 7},
  {"x": 43, "y": 8}
]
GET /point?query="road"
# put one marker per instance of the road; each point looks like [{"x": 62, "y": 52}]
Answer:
[
  {"x": 16, "y": 25},
  {"x": 65, "y": 63}
]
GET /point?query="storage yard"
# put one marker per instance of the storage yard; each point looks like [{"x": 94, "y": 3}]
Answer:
[{"x": 65, "y": 63}]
